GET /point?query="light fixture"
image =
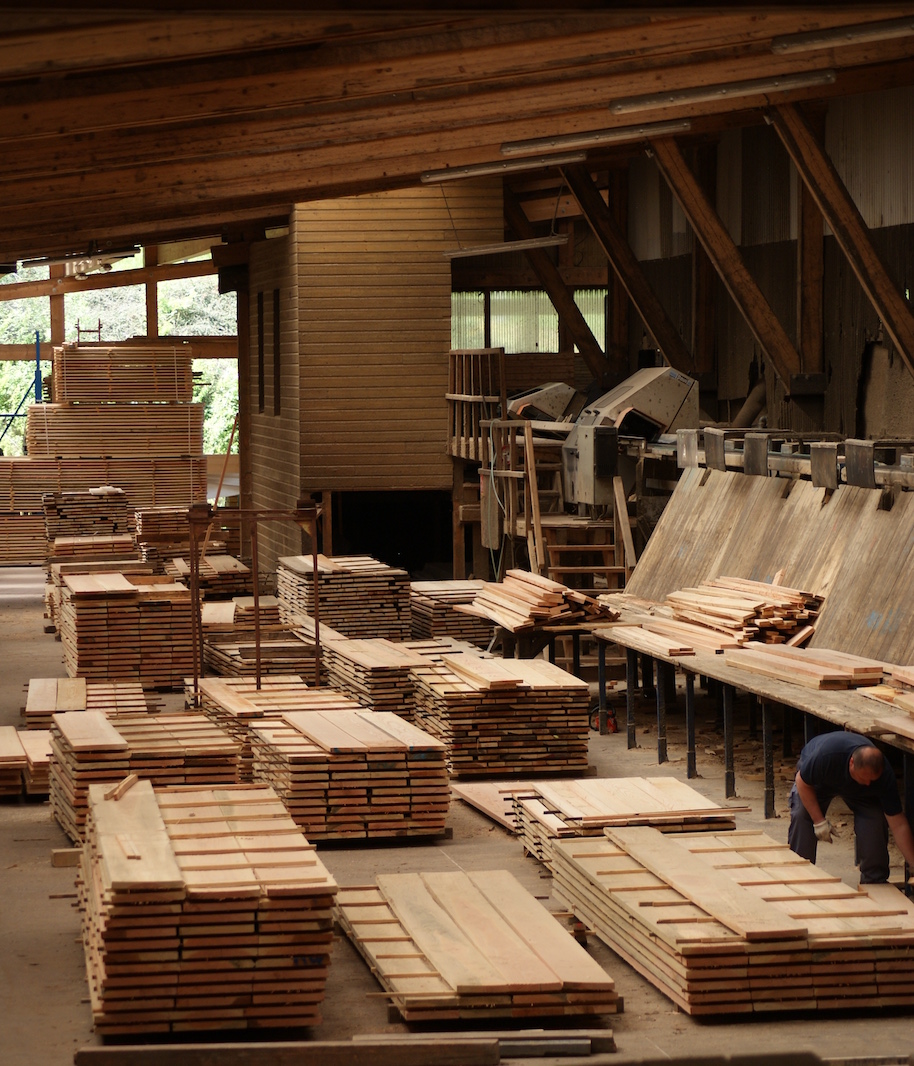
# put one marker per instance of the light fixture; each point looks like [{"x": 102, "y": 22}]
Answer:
[
  {"x": 508, "y": 246},
  {"x": 711, "y": 93},
  {"x": 592, "y": 138},
  {"x": 479, "y": 170},
  {"x": 838, "y": 35}
]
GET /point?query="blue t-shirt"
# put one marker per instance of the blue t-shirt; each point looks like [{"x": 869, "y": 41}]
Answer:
[{"x": 823, "y": 765}]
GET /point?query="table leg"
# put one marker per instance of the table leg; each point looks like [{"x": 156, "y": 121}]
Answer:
[
  {"x": 663, "y": 673},
  {"x": 576, "y": 654},
  {"x": 768, "y": 757},
  {"x": 631, "y": 675},
  {"x": 601, "y": 686},
  {"x": 753, "y": 716},
  {"x": 647, "y": 676},
  {"x": 728, "y": 694},
  {"x": 691, "y": 769}
]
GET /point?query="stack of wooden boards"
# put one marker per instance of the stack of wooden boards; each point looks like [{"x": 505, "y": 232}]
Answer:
[
  {"x": 736, "y": 922},
  {"x": 24, "y": 761},
  {"x": 48, "y": 695},
  {"x": 230, "y": 639},
  {"x": 525, "y": 601},
  {"x": 219, "y": 576},
  {"x": 356, "y": 595},
  {"x": 99, "y": 521},
  {"x": 448, "y": 946},
  {"x": 376, "y": 672},
  {"x": 497, "y": 716},
  {"x": 201, "y": 909},
  {"x": 114, "y": 430},
  {"x": 168, "y": 749},
  {"x": 432, "y": 613},
  {"x": 541, "y": 812},
  {"x": 819, "y": 668},
  {"x": 122, "y": 375},
  {"x": 353, "y": 774},
  {"x": 115, "y": 627}
]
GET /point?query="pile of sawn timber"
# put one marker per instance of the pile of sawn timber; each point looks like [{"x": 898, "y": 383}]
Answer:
[
  {"x": 354, "y": 774},
  {"x": 218, "y": 576},
  {"x": 498, "y": 716},
  {"x": 376, "y": 672},
  {"x": 736, "y": 922},
  {"x": 432, "y": 609},
  {"x": 24, "y": 759},
  {"x": 168, "y": 749},
  {"x": 49, "y": 695},
  {"x": 356, "y": 595},
  {"x": 201, "y": 909},
  {"x": 526, "y": 601},
  {"x": 448, "y": 946}
]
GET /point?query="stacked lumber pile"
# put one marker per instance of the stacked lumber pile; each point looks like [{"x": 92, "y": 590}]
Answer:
[
  {"x": 747, "y": 610},
  {"x": 219, "y": 576},
  {"x": 121, "y": 430},
  {"x": 201, "y": 909},
  {"x": 36, "y": 743},
  {"x": 736, "y": 922},
  {"x": 548, "y": 811},
  {"x": 104, "y": 509},
  {"x": 357, "y": 595},
  {"x": 282, "y": 651},
  {"x": 57, "y": 572},
  {"x": 376, "y": 672},
  {"x": 236, "y": 704},
  {"x": 96, "y": 372},
  {"x": 94, "y": 546},
  {"x": 354, "y": 774},
  {"x": 22, "y": 539},
  {"x": 115, "y": 627},
  {"x": 12, "y": 761},
  {"x": 432, "y": 614},
  {"x": 48, "y": 696},
  {"x": 448, "y": 946},
  {"x": 820, "y": 668},
  {"x": 167, "y": 749},
  {"x": 524, "y": 601},
  {"x": 498, "y": 716}
]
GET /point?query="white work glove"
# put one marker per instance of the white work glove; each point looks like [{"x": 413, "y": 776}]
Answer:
[{"x": 823, "y": 830}]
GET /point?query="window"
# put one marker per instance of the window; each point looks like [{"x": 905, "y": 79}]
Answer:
[{"x": 519, "y": 321}]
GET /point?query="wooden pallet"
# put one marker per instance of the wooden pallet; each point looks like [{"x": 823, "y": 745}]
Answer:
[
  {"x": 201, "y": 909},
  {"x": 347, "y": 774},
  {"x": 735, "y": 922},
  {"x": 448, "y": 946}
]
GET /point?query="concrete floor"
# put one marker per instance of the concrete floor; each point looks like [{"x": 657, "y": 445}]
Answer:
[{"x": 44, "y": 1011}]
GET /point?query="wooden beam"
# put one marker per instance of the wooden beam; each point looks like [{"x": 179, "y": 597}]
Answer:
[
  {"x": 704, "y": 306},
  {"x": 151, "y": 259},
  {"x": 58, "y": 286},
  {"x": 718, "y": 243},
  {"x": 558, "y": 292},
  {"x": 619, "y": 303},
  {"x": 203, "y": 347},
  {"x": 623, "y": 261},
  {"x": 851, "y": 232}
]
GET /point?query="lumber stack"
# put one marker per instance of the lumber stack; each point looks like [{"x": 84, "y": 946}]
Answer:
[
  {"x": 103, "y": 509},
  {"x": 525, "y": 601},
  {"x": 735, "y": 922},
  {"x": 167, "y": 749},
  {"x": 36, "y": 744},
  {"x": 219, "y": 576},
  {"x": 12, "y": 761},
  {"x": 546, "y": 811},
  {"x": 56, "y": 573},
  {"x": 746, "y": 610},
  {"x": 820, "y": 668},
  {"x": 22, "y": 540},
  {"x": 201, "y": 909},
  {"x": 115, "y": 627},
  {"x": 502, "y": 716},
  {"x": 358, "y": 596},
  {"x": 121, "y": 374},
  {"x": 236, "y": 704},
  {"x": 432, "y": 613},
  {"x": 282, "y": 651},
  {"x": 447, "y": 946},
  {"x": 121, "y": 430},
  {"x": 376, "y": 672},
  {"x": 49, "y": 695},
  {"x": 354, "y": 774}
]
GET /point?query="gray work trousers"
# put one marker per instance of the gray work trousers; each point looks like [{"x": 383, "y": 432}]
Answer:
[{"x": 871, "y": 833}]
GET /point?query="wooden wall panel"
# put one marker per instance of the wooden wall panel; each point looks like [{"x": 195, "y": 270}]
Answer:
[
  {"x": 275, "y": 438},
  {"x": 374, "y": 333}
]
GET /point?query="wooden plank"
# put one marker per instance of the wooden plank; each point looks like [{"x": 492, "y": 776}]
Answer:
[
  {"x": 89, "y": 731},
  {"x": 735, "y": 907}
]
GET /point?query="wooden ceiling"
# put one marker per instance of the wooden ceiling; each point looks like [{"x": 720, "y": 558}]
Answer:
[{"x": 119, "y": 128}]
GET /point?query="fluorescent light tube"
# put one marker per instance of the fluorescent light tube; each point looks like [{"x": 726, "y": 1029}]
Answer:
[
  {"x": 591, "y": 138},
  {"x": 710, "y": 93},
  {"x": 838, "y": 35},
  {"x": 478, "y": 170}
]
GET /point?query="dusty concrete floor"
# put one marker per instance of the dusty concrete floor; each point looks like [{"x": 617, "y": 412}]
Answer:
[{"x": 44, "y": 1012}]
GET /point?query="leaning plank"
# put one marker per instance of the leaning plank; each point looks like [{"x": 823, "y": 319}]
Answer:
[{"x": 732, "y": 905}]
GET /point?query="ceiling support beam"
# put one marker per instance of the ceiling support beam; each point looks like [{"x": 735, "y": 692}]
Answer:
[
  {"x": 558, "y": 292},
  {"x": 704, "y": 308},
  {"x": 619, "y": 303},
  {"x": 851, "y": 232},
  {"x": 115, "y": 279},
  {"x": 620, "y": 255},
  {"x": 718, "y": 243}
]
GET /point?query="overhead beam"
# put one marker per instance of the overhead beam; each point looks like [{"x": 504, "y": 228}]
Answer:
[
  {"x": 60, "y": 286},
  {"x": 851, "y": 232},
  {"x": 558, "y": 292},
  {"x": 728, "y": 263},
  {"x": 623, "y": 261}
]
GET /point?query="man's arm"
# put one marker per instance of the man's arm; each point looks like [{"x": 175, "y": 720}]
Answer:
[
  {"x": 810, "y": 801},
  {"x": 904, "y": 838}
]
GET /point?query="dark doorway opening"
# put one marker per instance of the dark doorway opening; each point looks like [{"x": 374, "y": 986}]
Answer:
[{"x": 410, "y": 530}]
